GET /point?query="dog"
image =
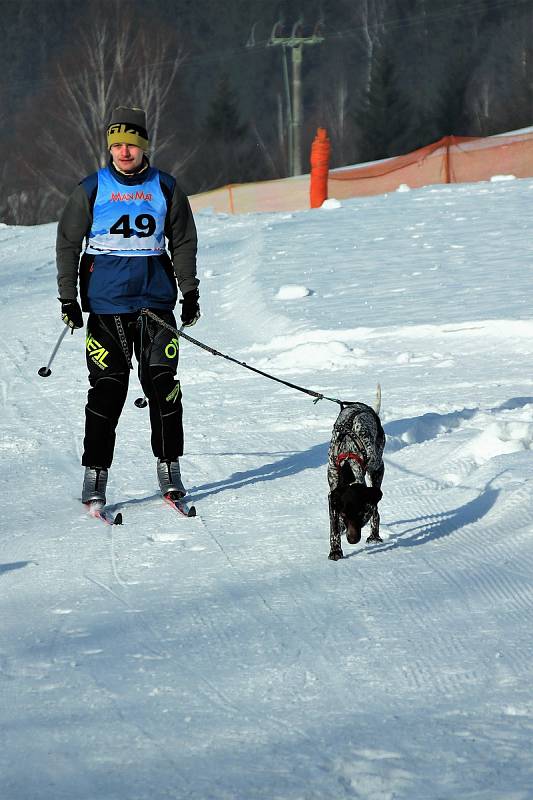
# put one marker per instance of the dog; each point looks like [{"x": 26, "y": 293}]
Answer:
[{"x": 356, "y": 450}]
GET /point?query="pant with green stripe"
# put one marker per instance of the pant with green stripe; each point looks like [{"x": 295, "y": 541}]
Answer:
[{"x": 157, "y": 352}]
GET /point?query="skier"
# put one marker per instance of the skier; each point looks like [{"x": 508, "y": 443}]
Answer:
[{"x": 120, "y": 216}]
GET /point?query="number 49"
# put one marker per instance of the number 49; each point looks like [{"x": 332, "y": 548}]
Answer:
[{"x": 144, "y": 226}]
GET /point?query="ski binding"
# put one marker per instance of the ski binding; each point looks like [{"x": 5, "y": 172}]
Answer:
[
  {"x": 97, "y": 510},
  {"x": 176, "y": 501}
]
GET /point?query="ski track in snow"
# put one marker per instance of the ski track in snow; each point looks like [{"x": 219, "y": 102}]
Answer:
[{"x": 224, "y": 657}]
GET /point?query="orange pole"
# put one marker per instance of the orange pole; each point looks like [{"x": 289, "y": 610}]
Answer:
[{"x": 320, "y": 151}]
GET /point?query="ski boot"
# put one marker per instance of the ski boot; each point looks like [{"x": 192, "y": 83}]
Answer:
[
  {"x": 169, "y": 477},
  {"x": 94, "y": 485}
]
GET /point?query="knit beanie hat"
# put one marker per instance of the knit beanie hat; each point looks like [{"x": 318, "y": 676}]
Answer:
[{"x": 127, "y": 125}]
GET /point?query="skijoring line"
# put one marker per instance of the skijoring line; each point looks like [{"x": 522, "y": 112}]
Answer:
[{"x": 214, "y": 352}]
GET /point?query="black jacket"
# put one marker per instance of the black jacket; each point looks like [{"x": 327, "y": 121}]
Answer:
[{"x": 75, "y": 224}]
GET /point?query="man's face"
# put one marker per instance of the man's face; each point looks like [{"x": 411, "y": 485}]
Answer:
[{"x": 127, "y": 157}]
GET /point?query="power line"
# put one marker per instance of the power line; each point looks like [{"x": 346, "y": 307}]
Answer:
[
  {"x": 214, "y": 56},
  {"x": 468, "y": 8}
]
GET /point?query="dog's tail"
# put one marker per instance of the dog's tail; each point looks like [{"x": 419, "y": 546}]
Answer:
[{"x": 377, "y": 407}]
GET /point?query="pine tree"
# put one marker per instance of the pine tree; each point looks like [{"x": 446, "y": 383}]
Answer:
[
  {"x": 222, "y": 122},
  {"x": 230, "y": 152},
  {"x": 382, "y": 115}
]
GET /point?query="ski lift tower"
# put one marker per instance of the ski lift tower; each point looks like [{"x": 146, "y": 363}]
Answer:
[{"x": 294, "y": 40}]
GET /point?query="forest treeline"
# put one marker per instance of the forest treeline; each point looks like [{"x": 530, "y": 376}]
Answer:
[{"x": 384, "y": 77}]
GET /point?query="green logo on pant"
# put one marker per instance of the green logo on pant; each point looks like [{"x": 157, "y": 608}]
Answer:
[
  {"x": 174, "y": 394},
  {"x": 171, "y": 350},
  {"x": 96, "y": 351}
]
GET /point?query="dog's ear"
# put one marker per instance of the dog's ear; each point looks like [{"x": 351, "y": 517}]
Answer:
[{"x": 374, "y": 494}]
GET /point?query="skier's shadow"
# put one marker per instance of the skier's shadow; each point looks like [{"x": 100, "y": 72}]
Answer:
[
  {"x": 292, "y": 464},
  {"x": 15, "y": 565},
  {"x": 134, "y": 501}
]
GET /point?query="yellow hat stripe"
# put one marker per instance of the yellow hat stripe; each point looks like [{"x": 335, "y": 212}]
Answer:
[{"x": 125, "y": 134}]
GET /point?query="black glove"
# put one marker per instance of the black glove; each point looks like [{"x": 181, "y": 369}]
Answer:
[
  {"x": 71, "y": 313},
  {"x": 190, "y": 309}
]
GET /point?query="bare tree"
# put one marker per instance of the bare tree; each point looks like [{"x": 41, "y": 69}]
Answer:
[
  {"x": 113, "y": 65},
  {"x": 332, "y": 111},
  {"x": 372, "y": 17},
  {"x": 500, "y": 90}
]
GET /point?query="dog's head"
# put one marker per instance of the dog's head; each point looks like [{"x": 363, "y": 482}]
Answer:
[{"x": 356, "y": 504}]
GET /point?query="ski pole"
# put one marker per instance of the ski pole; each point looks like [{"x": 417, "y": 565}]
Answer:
[{"x": 44, "y": 372}]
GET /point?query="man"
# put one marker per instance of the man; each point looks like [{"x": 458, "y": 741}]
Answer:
[{"x": 121, "y": 217}]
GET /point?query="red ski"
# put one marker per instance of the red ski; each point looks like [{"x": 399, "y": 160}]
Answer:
[
  {"x": 97, "y": 510},
  {"x": 176, "y": 501}
]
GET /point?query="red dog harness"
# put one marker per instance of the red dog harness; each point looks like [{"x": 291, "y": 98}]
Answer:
[{"x": 353, "y": 457}]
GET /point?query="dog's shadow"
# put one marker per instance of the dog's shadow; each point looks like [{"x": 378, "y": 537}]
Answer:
[{"x": 436, "y": 526}]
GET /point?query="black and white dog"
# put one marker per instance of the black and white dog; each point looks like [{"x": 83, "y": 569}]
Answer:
[{"x": 356, "y": 450}]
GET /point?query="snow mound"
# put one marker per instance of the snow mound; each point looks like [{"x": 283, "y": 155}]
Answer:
[
  {"x": 331, "y": 203},
  {"x": 404, "y": 358},
  {"x": 500, "y": 438},
  {"x": 292, "y": 291},
  {"x": 403, "y": 187},
  {"x": 509, "y": 433},
  {"x": 401, "y": 433},
  {"x": 315, "y": 356},
  {"x": 499, "y": 178}
]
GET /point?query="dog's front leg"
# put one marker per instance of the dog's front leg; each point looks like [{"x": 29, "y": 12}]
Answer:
[
  {"x": 376, "y": 479},
  {"x": 335, "y": 549},
  {"x": 374, "y": 527}
]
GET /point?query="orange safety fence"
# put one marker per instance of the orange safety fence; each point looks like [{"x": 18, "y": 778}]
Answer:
[
  {"x": 285, "y": 194},
  {"x": 481, "y": 159},
  {"x": 429, "y": 164},
  {"x": 452, "y": 159}
]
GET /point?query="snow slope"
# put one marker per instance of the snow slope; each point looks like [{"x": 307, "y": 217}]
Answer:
[{"x": 224, "y": 657}]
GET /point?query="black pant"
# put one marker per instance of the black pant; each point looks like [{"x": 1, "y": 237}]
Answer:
[{"x": 157, "y": 353}]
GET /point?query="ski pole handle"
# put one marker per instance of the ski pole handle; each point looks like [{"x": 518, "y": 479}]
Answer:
[{"x": 44, "y": 372}]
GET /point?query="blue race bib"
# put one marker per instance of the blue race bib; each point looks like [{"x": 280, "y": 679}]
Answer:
[{"x": 128, "y": 220}]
